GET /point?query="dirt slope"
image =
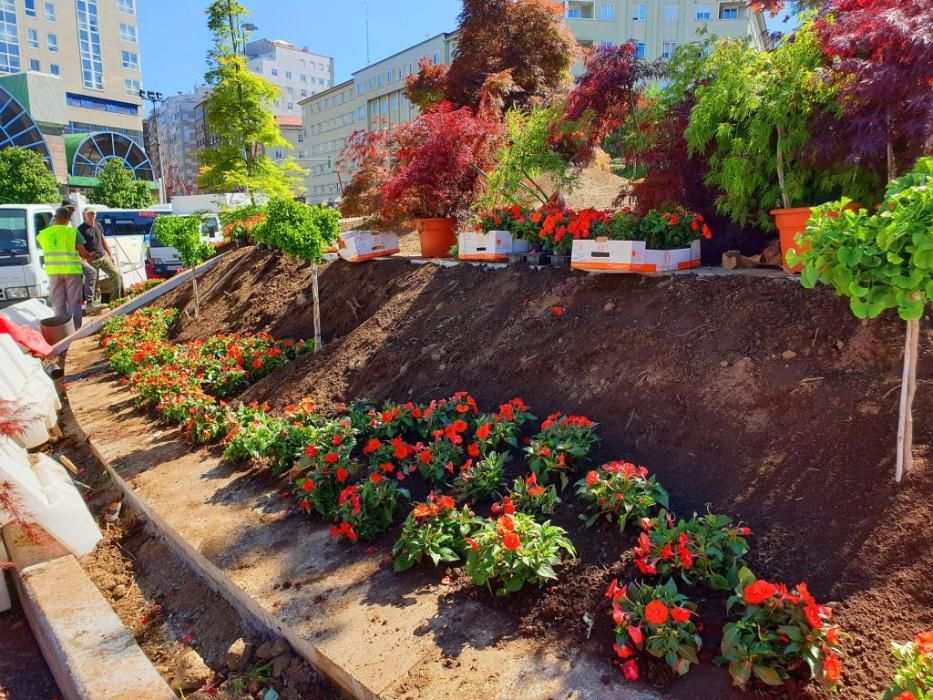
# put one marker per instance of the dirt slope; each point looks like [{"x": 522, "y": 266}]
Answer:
[{"x": 693, "y": 377}]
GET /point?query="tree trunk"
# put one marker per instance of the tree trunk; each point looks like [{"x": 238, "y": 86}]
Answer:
[
  {"x": 316, "y": 297},
  {"x": 905, "y": 429},
  {"x": 780, "y": 167},
  {"x": 197, "y": 300}
]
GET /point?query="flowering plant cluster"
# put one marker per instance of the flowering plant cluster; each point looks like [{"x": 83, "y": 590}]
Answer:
[
  {"x": 368, "y": 508},
  {"x": 435, "y": 529},
  {"x": 528, "y": 496},
  {"x": 913, "y": 678},
  {"x": 513, "y": 550},
  {"x": 563, "y": 443},
  {"x": 781, "y": 633},
  {"x": 655, "y": 619},
  {"x": 482, "y": 478},
  {"x": 134, "y": 291},
  {"x": 514, "y": 219},
  {"x": 620, "y": 492},
  {"x": 709, "y": 550}
]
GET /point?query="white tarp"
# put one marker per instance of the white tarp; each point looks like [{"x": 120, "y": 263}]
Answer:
[
  {"x": 27, "y": 314},
  {"x": 24, "y": 382},
  {"x": 46, "y": 496}
]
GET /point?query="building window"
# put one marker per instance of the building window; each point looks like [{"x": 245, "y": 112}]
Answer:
[
  {"x": 703, "y": 13},
  {"x": 574, "y": 12},
  {"x": 607, "y": 11},
  {"x": 288, "y": 75},
  {"x": 606, "y": 44},
  {"x": 669, "y": 48},
  {"x": 49, "y": 12},
  {"x": 54, "y": 69},
  {"x": 303, "y": 78},
  {"x": 127, "y": 31},
  {"x": 32, "y": 38},
  {"x": 361, "y": 113},
  {"x": 437, "y": 60},
  {"x": 291, "y": 105},
  {"x": 671, "y": 13},
  {"x": 30, "y": 7},
  {"x": 279, "y": 154},
  {"x": 130, "y": 60},
  {"x": 390, "y": 77},
  {"x": 320, "y": 81},
  {"x": 291, "y": 91},
  {"x": 34, "y": 65},
  {"x": 640, "y": 13},
  {"x": 52, "y": 42},
  {"x": 275, "y": 72},
  {"x": 379, "y": 81},
  {"x": 127, "y": 7},
  {"x": 101, "y": 104},
  {"x": 92, "y": 65},
  {"x": 304, "y": 93},
  {"x": 132, "y": 87},
  {"x": 728, "y": 12},
  {"x": 640, "y": 49}
]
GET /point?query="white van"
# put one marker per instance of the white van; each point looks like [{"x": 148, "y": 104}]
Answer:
[{"x": 21, "y": 273}]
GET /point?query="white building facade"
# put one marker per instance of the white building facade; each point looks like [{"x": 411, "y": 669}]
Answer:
[
  {"x": 296, "y": 71},
  {"x": 172, "y": 140}
]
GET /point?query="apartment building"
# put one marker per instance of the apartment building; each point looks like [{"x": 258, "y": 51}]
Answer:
[
  {"x": 658, "y": 27},
  {"x": 296, "y": 71},
  {"x": 372, "y": 99},
  {"x": 84, "y": 56},
  {"x": 171, "y": 133}
]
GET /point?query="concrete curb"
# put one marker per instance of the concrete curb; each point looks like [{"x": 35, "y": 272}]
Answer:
[
  {"x": 89, "y": 651},
  {"x": 219, "y": 582}
]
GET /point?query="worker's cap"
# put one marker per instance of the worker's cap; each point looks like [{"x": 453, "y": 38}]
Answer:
[{"x": 63, "y": 213}]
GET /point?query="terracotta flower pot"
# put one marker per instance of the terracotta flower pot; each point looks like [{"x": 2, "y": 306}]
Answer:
[
  {"x": 437, "y": 236},
  {"x": 789, "y": 223}
]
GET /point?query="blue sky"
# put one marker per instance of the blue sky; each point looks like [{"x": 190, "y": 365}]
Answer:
[{"x": 174, "y": 38}]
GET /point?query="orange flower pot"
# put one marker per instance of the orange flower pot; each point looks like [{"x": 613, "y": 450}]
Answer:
[
  {"x": 789, "y": 223},
  {"x": 437, "y": 236}
]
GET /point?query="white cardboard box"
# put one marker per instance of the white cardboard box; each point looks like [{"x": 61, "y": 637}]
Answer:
[
  {"x": 492, "y": 246},
  {"x": 603, "y": 255},
  {"x": 357, "y": 246}
]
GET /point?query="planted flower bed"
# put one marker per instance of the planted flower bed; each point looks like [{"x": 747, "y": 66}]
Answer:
[{"x": 350, "y": 467}]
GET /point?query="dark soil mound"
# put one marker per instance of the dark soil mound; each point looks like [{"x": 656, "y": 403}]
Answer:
[{"x": 747, "y": 396}]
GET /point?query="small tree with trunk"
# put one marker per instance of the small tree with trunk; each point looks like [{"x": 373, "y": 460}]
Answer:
[
  {"x": 25, "y": 178},
  {"x": 304, "y": 233},
  {"x": 880, "y": 261},
  {"x": 183, "y": 233}
]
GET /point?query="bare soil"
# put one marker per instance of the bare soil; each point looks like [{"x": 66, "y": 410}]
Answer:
[
  {"x": 746, "y": 396},
  {"x": 24, "y": 674}
]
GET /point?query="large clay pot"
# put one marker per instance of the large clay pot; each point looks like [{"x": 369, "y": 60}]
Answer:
[
  {"x": 437, "y": 236},
  {"x": 789, "y": 223}
]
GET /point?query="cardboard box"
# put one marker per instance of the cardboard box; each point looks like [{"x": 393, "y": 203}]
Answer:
[
  {"x": 603, "y": 255},
  {"x": 357, "y": 246},
  {"x": 494, "y": 246}
]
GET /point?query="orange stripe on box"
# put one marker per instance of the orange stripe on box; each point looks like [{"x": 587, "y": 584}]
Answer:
[
  {"x": 688, "y": 265},
  {"x": 370, "y": 256},
  {"x": 614, "y": 267},
  {"x": 485, "y": 258}
]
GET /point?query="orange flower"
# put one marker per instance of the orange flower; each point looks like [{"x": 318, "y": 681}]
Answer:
[
  {"x": 680, "y": 614},
  {"x": 483, "y": 431},
  {"x": 832, "y": 669},
  {"x": 511, "y": 542},
  {"x": 924, "y": 642},
  {"x": 656, "y": 612},
  {"x": 474, "y": 545},
  {"x": 758, "y": 592}
]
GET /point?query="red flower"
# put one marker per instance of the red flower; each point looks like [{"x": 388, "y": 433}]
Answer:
[
  {"x": 311, "y": 451},
  {"x": 496, "y": 509},
  {"x": 331, "y": 458},
  {"x": 305, "y": 506},
  {"x": 425, "y": 457},
  {"x": 342, "y": 475},
  {"x": 473, "y": 450},
  {"x": 624, "y": 651},
  {"x": 474, "y": 545},
  {"x": 506, "y": 524},
  {"x": 686, "y": 557},
  {"x": 308, "y": 485},
  {"x": 812, "y": 613},
  {"x": 592, "y": 478},
  {"x": 337, "y": 441},
  {"x": 482, "y": 432},
  {"x": 924, "y": 642},
  {"x": 832, "y": 669},
  {"x": 667, "y": 552},
  {"x": 745, "y": 531},
  {"x": 644, "y": 567},
  {"x": 680, "y": 614},
  {"x": 656, "y": 612},
  {"x": 257, "y": 364},
  {"x": 372, "y": 446},
  {"x": 636, "y": 635},
  {"x": 618, "y": 616},
  {"x": 376, "y": 478},
  {"x": 511, "y": 542},
  {"x": 613, "y": 587},
  {"x": 906, "y": 695},
  {"x": 832, "y": 635},
  {"x": 630, "y": 670},
  {"x": 558, "y": 311},
  {"x": 759, "y": 591}
]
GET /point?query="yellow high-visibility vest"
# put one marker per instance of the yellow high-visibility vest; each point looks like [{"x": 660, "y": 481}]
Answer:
[{"x": 59, "y": 251}]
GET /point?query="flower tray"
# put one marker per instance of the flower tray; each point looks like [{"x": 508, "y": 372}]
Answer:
[
  {"x": 357, "y": 246},
  {"x": 495, "y": 246},
  {"x": 603, "y": 255}
]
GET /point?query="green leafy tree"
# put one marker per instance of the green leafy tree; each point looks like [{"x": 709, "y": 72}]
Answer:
[
  {"x": 183, "y": 233},
  {"x": 25, "y": 178},
  {"x": 304, "y": 233},
  {"x": 525, "y": 158},
  {"x": 880, "y": 261},
  {"x": 119, "y": 189},
  {"x": 752, "y": 120},
  {"x": 239, "y": 117}
]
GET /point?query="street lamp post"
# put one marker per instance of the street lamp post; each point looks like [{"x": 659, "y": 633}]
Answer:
[{"x": 156, "y": 98}]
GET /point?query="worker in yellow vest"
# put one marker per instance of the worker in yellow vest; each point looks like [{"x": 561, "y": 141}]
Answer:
[{"x": 61, "y": 257}]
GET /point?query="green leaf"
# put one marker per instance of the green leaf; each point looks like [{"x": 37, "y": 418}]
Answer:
[
  {"x": 689, "y": 653},
  {"x": 740, "y": 671},
  {"x": 767, "y": 675}
]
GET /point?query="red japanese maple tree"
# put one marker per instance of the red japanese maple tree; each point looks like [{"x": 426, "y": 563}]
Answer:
[
  {"x": 881, "y": 53},
  {"x": 426, "y": 87}
]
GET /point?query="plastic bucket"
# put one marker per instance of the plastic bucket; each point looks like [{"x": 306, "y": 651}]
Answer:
[
  {"x": 437, "y": 236},
  {"x": 56, "y": 328}
]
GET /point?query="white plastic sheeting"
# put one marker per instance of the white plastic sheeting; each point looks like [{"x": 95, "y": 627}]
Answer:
[
  {"x": 24, "y": 382},
  {"x": 46, "y": 496},
  {"x": 28, "y": 314}
]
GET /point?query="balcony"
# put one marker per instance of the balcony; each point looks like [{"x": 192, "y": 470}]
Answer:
[
  {"x": 580, "y": 9},
  {"x": 733, "y": 11}
]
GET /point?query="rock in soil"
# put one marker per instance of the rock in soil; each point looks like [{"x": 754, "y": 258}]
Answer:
[
  {"x": 191, "y": 672},
  {"x": 239, "y": 655},
  {"x": 279, "y": 647},
  {"x": 279, "y": 664}
]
